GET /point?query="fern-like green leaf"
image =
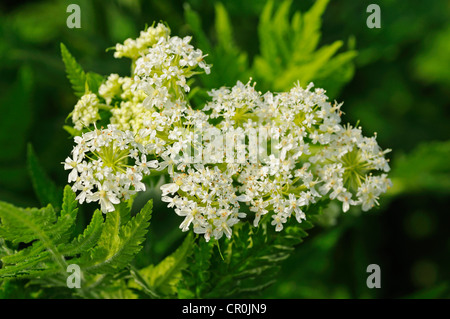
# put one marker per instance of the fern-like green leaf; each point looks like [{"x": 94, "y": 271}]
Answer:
[
  {"x": 74, "y": 72},
  {"x": 195, "y": 281},
  {"x": 87, "y": 239},
  {"x": 26, "y": 225},
  {"x": 253, "y": 258},
  {"x": 249, "y": 263},
  {"x": 289, "y": 54},
  {"x": 163, "y": 277},
  {"x": 104, "y": 247},
  {"x": 118, "y": 244}
]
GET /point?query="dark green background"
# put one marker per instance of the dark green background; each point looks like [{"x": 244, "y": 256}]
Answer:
[{"x": 400, "y": 89}]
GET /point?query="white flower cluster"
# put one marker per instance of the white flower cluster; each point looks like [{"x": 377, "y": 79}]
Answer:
[
  {"x": 133, "y": 48},
  {"x": 313, "y": 157},
  {"x": 85, "y": 112},
  {"x": 288, "y": 150},
  {"x": 163, "y": 72},
  {"x": 207, "y": 200},
  {"x": 107, "y": 165}
]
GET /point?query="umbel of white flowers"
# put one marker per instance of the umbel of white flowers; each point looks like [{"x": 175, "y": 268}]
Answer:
[{"x": 313, "y": 156}]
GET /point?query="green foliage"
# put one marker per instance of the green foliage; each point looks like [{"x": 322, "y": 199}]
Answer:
[
  {"x": 431, "y": 168},
  {"x": 289, "y": 51},
  {"x": 105, "y": 247},
  {"x": 229, "y": 62},
  {"x": 119, "y": 242},
  {"x": 16, "y": 114},
  {"x": 196, "y": 279},
  {"x": 93, "y": 81},
  {"x": 250, "y": 261},
  {"x": 81, "y": 81},
  {"x": 162, "y": 279},
  {"x": 45, "y": 188}
]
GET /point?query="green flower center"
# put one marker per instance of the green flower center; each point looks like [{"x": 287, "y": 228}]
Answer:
[
  {"x": 114, "y": 158},
  {"x": 355, "y": 169}
]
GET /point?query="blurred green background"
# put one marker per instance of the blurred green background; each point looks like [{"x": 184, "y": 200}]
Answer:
[{"x": 395, "y": 80}]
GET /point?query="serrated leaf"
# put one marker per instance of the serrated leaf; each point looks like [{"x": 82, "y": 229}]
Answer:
[
  {"x": 74, "y": 72},
  {"x": 163, "y": 277},
  {"x": 26, "y": 225},
  {"x": 87, "y": 239},
  {"x": 252, "y": 258},
  {"x": 289, "y": 54},
  {"x": 27, "y": 265},
  {"x": 124, "y": 209},
  {"x": 24, "y": 254},
  {"x": 69, "y": 205},
  {"x": 195, "y": 281},
  {"x": 118, "y": 244},
  {"x": 312, "y": 22},
  {"x": 305, "y": 73},
  {"x": 20, "y": 225}
]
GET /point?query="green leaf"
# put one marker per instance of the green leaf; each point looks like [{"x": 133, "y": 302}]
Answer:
[
  {"x": 118, "y": 244},
  {"x": 124, "y": 209},
  {"x": 74, "y": 72},
  {"x": 87, "y": 239},
  {"x": 45, "y": 188},
  {"x": 267, "y": 43},
  {"x": 310, "y": 30},
  {"x": 24, "y": 254},
  {"x": 251, "y": 259},
  {"x": 73, "y": 132},
  {"x": 104, "y": 248},
  {"x": 429, "y": 162},
  {"x": 25, "y": 268},
  {"x": 93, "y": 81},
  {"x": 26, "y": 225},
  {"x": 69, "y": 205},
  {"x": 289, "y": 54},
  {"x": 195, "y": 280},
  {"x": 223, "y": 27},
  {"x": 164, "y": 277},
  {"x": 305, "y": 73}
]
